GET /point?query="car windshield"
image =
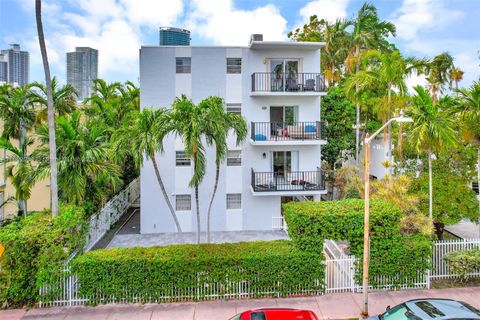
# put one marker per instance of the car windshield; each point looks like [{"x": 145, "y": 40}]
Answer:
[
  {"x": 400, "y": 312},
  {"x": 257, "y": 316}
]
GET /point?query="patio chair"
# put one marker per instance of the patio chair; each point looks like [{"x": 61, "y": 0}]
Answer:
[{"x": 309, "y": 85}]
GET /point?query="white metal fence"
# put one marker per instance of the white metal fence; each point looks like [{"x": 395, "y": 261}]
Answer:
[
  {"x": 279, "y": 223},
  {"x": 441, "y": 267},
  {"x": 340, "y": 272},
  {"x": 103, "y": 220}
]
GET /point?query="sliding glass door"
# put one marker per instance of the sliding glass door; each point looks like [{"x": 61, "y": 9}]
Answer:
[{"x": 284, "y": 73}]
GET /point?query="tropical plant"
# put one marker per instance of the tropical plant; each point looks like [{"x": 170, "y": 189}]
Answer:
[
  {"x": 387, "y": 69},
  {"x": 454, "y": 199},
  {"x": 432, "y": 130},
  {"x": 190, "y": 122},
  {"x": 468, "y": 107},
  {"x": 438, "y": 74},
  {"x": 20, "y": 170},
  {"x": 50, "y": 110},
  {"x": 64, "y": 99},
  {"x": 219, "y": 126},
  {"x": 84, "y": 157},
  {"x": 396, "y": 190},
  {"x": 369, "y": 32},
  {"x": 456, "y": 75},
  {"x": 335, "y": 50},
  {"x": 18, "y": 115},
  {"x": 142, "y": 137}
]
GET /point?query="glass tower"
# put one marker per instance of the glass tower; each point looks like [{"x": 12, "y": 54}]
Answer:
[
  {"x": 14, "y": 65},
  {"x": 82, "y": 69},
  {"x": 174, "y": 37}
]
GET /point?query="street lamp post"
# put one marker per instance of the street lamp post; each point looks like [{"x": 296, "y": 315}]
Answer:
[{"x": 366, "y": 231}]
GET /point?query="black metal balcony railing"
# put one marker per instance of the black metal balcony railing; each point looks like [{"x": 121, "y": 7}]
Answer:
[
  {"x": 288, "y": 82},
  {"x": 284, "y": 131},
  {"x": 288, "y": 181}
]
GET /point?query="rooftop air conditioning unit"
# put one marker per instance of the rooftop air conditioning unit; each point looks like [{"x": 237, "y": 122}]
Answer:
[{"x": 256, "y": 37}]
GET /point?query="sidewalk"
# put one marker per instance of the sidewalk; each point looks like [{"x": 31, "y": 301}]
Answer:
[{"x": 330, "y": 306}]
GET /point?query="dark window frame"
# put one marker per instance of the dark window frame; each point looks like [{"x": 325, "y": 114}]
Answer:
[
  {"x": 234, "y": 65},
  {"x": 181, "y": 66}
]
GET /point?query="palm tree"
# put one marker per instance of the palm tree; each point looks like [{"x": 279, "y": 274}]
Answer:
[
  {"x": 18, "y": 115},
  {"x": 439, "y": 72},
  {"x": 142, "y": 135},
  {"x": 468, "y": 107},
  {"x": 64, "y": 98},
  {"x": 50, "y": 110},
  {"x": 432, "y": 129},
  {"x": 218, "y": 128},
  {"x": 368, "y": 32},
  {"x": 20, "y": 170},
  {"x": 456, "y": 75},
  {"x": 84, "y": 157},
  {"x": 387, "y": 70},
  {"x": 191, "y": 123}
]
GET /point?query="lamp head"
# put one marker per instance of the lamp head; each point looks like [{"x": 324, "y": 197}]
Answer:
[{"x": 402, "y": 119}]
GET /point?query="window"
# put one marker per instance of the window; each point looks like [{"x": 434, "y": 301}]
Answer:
[
  {"x": 257, "y": 315},
  {"x": 184, "y": 64},
  {"x": 234, "y": 158},
  {"x": 475, "y": 187},
  {"x": 234, "y": 108},
  {"x": 182, "y": 160},
  {"x": 183, "y": 202},
  {"x": 234, "y": 200},
  {"x": 234, "y": 65}
]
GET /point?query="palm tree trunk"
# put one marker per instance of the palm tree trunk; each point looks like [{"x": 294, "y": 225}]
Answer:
[
  {"x": 22, "y": 205},
  {"x": 164, "y": 192},
  {"x": 357, "y": 110},
  {"x": 51, "y": 114},
  {"x": 430, "y": 186},
  {"x": 217, "y": 175},
  {"x": 389, "y": 131},
  {"x": 197, "y": 208}
]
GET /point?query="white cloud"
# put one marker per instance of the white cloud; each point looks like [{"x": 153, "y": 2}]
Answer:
[
  {"x": 327, "y": 9},
  {"x": 221, "y": 23},
  {"x": 111, "y": 26},
  {"x": 415, "y": 16}
]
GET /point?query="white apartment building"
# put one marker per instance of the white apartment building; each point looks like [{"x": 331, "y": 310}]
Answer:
[{"x": 276, "y": 86}]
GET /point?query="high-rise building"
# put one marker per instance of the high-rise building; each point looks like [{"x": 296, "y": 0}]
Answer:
[
  {"x": 3, "y": 68},
  {"x": 174, "y": 36},
  {"x": 17, "y": 64},
  {"x": 82, "y": 69}
]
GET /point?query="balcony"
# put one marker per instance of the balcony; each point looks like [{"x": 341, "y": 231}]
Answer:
[
  {"x": 287, "y": 133},
  {"x": 286, "y": 84},
  {"x": 284, "y": 183}
]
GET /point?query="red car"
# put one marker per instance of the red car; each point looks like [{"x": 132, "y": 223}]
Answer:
[{"x": 276, "y": 314}]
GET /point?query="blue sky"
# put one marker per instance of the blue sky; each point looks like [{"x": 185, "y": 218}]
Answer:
[{"x": 117, "y": 28}]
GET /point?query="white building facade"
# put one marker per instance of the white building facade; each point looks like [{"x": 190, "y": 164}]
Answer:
[{"x": 277, "y": 88}]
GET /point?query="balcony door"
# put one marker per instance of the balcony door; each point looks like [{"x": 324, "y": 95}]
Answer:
[
  {"x": 281, "y": 117},
  {"x": 284, "y": 162},
  {"x": 284, "y": 72}
]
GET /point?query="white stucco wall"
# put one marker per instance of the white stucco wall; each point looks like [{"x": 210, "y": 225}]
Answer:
[{"x": 159, "y": 86}]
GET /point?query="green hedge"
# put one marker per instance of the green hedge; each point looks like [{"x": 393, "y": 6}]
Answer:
[
  {"x": 35, "y": 247},
  {"x": 462, "y": 263},
  {"x": 274, "y": 268},
  {"x": 393, "y": 254}
]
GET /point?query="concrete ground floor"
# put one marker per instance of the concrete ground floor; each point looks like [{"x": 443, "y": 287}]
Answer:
[
  {"x": 127, "y": 234},
  {"x": 330, "y": 306}
]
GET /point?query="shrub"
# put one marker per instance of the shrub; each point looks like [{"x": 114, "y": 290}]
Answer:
[
  {"x": 463, "y": 263},
  {"x": 35, "y": 247},
  {"x": 392, "y": 254},
  {"x": 259, "y": 268}
]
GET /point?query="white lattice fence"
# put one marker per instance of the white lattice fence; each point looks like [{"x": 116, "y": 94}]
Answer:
[
  {"x": 441, "y": 267},
  {"x": 103, "y": 220}
]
